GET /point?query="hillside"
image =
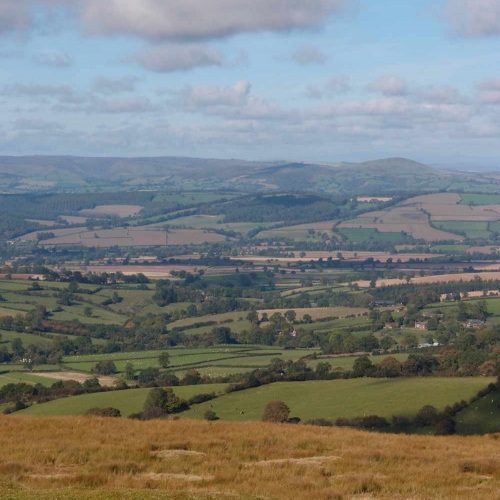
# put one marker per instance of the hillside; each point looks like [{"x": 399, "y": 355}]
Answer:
[
  {"x": 187, "y": 460},
  {"x": 42, "y": 173}
]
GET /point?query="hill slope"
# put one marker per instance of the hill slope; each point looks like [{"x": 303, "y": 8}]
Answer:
[
  {"x": 42, "y": 173},
  {"x": 83, "y": 458}
]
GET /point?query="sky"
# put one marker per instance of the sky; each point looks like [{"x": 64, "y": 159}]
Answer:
[{"x": 315, "y": 80}]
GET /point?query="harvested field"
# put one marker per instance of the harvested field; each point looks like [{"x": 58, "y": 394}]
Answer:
[
  {"x": 192, "y": 237},
  {"x": 149, "y": 271},
  {"x": 474, "y": 295},
  {"x": 486, "y": 249},
  {"x": 48, "y": 223},
  {"x": 117, "y": 210},
  {"x": 78, "y": 377},
  {"x": 128, "y": 236},
  {"x": 371, "y": 199},
  {"x": 109, "y": 459},
  {"x": 444, "y": 278},
  {"x": 57, "y": 233},
  {"x": 347, "y": 255},
  {"x": 74, "y": 219}
]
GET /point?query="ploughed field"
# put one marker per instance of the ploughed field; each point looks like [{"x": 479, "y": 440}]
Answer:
[{"x": 111, "y": 459}]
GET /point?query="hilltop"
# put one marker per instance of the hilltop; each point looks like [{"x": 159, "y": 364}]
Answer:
[{"x": 186, "y": 460}]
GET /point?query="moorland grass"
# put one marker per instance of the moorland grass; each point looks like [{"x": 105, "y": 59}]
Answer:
[{"x": 111, "y": 459}]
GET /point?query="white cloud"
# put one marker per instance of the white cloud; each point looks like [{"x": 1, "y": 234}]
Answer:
[
  {"x": 308, "y": 55},
  {"x": 104, "y": 85},
  {"x": 389, "y": 86},
  {"x": 134, "y": 104},
  {"x": 53, "y": 58},
  {"x": 202, "y": 19},
  {"x": 177, "y": 57},
  {"x": 475, "y": 18},
  {"x": 336, "y": 85}
]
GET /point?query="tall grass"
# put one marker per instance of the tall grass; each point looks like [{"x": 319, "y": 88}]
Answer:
[{"x": 92, "y": 458}]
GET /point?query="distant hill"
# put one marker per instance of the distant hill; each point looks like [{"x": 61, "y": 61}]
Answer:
[{"x": 377, "y": 177}]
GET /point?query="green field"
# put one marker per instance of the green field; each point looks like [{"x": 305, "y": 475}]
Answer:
[
  {"x": 481, "y": 417},
  {"x": 472, "y": 229},
  {"x": 348, "y": 362},
  {"x": 27, "y": 378},
  {"x": 128, "y": 401},
  {"x": 480, "y": 199},
  {"x": 344, "y": 398},
  {"x": 224, "y": 360}
]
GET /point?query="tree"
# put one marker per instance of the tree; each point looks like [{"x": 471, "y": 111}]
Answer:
[
  {"x": 164, "y": 359},
  {"x": 426, "y": 416},
  {"x": 253, "y": 316},
  {"x": 129, "y": 371},
  {"x": 88, "y": 312},
  {"x": 323, "y": 369},
  {"x": 172, "y": 403},
  {"x": 362, "y": 367},
  {"x": 276, "y": 411},
  {"x": 156, "y": 400},
  {"x": 410, "y": 341},
  {"x": 17, "y": 348},
  {"x": 148, "y": 375},
  {"x": 290, "y": 316},
  {"x": 105, "y": 368},
  {"x": 73, "y": 287},
  {"x": 92, "y": 385},
  {"x": 307, "y": 318},
  {"x": 387, "y": 342}
]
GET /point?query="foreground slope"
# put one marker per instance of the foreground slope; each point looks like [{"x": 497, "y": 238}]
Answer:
[{"x": 83, "y": 458}]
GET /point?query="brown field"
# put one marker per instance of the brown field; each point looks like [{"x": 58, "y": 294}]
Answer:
[
  {"x": 78, "y": 377},
  {"x": 409, "y": 218},
  {"x": 487, "y": 249},
  {"x": 347, "y": 255},
  {"x": 149, "y": 271},
  {"x": 444, "y": 278},
  {"x": 48, "y": 223},
  {"x": 192, "y": 237},
  {"x": 57, "y": 233},
  {"x": 373, "y": 199},
  {"x": 109, "y": 459},
  {"x": 74, "y": 219},
  {"x": 474, "y": 295},
  {"x": 118, "y": 210}
]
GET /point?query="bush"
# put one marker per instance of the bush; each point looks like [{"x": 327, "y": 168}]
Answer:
[
  {"x": 445, "y": 426},
  {"x": 342, "y": 422},
  {"x": 104, "y": 412},
  {"x": 320, "y": 422},
  {"x": 426, "y": 416},
  {"x": 201, "y": 398},
  {"x": 276, "y": 411},
  {"x": 210, "y": 416}
]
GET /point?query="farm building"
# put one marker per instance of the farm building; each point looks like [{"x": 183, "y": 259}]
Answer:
[
  {"x": 420, "y": 325},
  {"x": 473, "y": 323}
]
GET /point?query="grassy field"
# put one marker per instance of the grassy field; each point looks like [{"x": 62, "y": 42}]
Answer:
[
  {"x": 481, "y": 417},
  {"x": 344, "y": 398},
  {"x": 348, "y": 362},
  {"x": 129, "y": 401},
  {"x": 27, "y": 378},
  {"x": 480, "y": 199},
  {"x": 470, "y": 228},
  {"x": 105, "y": 459},
  {"x": 225, "y": 359}
]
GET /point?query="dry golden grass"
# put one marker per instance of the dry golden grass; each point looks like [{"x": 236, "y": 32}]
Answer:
[{"x": 83, "y": 458}]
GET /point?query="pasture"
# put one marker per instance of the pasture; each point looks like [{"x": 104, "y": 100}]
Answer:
[
  {"x": 128, "y": 401},
  {"x": 344, "y": 398}
]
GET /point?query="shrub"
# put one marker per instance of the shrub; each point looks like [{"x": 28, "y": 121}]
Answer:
[
  {"x": 210, "y": 416},
  {"x": 276, "y": 411},
  {"x": 426, "y": 416},
  {"x": 342, "y": 422},
  {"x": 104, "y": 412},
  {"x": 201, "y": 398},
  {"x": 445, "y": 426},
  {"x": 320, "y": 422}
]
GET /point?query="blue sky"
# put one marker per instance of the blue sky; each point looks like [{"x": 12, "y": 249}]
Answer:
[{"x": 322, "y": 80}]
